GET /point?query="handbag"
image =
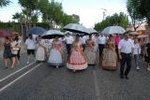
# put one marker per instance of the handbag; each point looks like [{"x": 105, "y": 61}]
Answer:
[{"x": 14, "y": 50}]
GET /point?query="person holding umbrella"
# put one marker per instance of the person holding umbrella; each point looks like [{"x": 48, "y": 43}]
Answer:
[
  {"x": 56, "y": 55},
  {"x": 90, "y": 51},
  {"x": 109, "y": 56},
  {"x": 77, "y": 58},
  {"x": 41, "y": 49}
]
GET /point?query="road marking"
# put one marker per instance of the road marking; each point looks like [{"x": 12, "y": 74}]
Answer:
[
  {"x": 16, "y": 72},
  {"x": 9, "y": 84},
  {"x": 96, "y": 85}
]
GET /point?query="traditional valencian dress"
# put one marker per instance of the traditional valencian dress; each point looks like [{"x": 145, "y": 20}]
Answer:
[
  {"x": 77, "y": 59},
  {"x": 90, "y": 52},
  {"x": 109, "y": 58},
  {"x": 56, "y": 54},
  {"x": 41, "y": 51}
]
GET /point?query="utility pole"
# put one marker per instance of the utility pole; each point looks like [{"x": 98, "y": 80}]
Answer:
[{"x": 104, "y": 12}]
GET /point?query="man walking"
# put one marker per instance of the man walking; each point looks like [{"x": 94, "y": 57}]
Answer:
[
  {"x": 101, "y": 42},
  {"x": 125, "y": 51},
  {"x": 68, "y": 39},
  {"x": 31, "y": 46}
]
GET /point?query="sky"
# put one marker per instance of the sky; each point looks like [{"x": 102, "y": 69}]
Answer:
[{"x": 90, "y": 11}]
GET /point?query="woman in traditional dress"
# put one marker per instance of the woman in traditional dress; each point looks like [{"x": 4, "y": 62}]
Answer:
[
  {"x": 77, "y": 58},
  {"x": 90, "y": 51},
  {"x": 56, "y": 56},
  {"x": 109, "y": 56},
  {"x": 41, "y": 50}
]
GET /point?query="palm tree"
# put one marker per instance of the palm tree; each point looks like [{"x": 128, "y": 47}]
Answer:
[{"x": 4, "y": 3}]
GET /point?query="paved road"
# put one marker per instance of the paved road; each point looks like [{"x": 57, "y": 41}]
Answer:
[
  {"x": 44, "y": 82},
  {"x": 6, "y": 72}
]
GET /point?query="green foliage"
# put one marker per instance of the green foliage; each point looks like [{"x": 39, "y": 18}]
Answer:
[
  {"x": 141, "y": 8},
  {"x": 116, "y": 19},
  {"x": 7, "y": 25},
  {"x": 4, "y": 3},
  {"x": 30, "y": 10},
  {"x": 18, "y": 16},
  {"x": 29, "y": 4},
  {"x": 136, "y": 18},
  {"x": 53, "y": 12}
]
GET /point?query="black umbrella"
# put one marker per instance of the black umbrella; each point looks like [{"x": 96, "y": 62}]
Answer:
[
  {"x": 76, "y": 28},
  {"x": 36, "y": 30},
  {"x": 52, "y": 34}
]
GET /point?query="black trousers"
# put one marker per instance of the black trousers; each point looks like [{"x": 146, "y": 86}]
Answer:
[
  {"x": 83, "y": 45},
  {"x": 18, "y": 54},
  {"x": 116, "y": 48},
  {"x": 126, "y": 60},
  {"x": 68, "y": 46},
  {"x": 101, "y": 47}
]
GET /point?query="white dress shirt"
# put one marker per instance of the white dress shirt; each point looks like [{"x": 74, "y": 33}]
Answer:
[
  {"x": 69, "y": 39},
  {"x": 83, "y": 39},
  {"x": 31, "y": 44},
  {"x": 125, "y": 46},
  {"x": 101, "y": 40},
  {"x": 136, "y": 48}
]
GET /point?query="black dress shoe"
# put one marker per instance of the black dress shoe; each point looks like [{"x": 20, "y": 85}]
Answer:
[
  {"x": 5, "y": 67},
  {"x": 121, "y": 77},
  {"x": 126, "y": 77}
]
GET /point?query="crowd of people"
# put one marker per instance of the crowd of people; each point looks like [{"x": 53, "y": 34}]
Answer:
[{"x": 82, "y": 51}]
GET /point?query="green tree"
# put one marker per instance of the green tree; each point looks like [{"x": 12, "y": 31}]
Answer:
[
  {"x": 120, "y": 19},
  {"x": 142, "y": 8},
  {"x": 53, "y": 14},
  {"x": 30, "y": 10},
  {"x": 4, "y": 3},
  {"x": 136, "y": 18},
  {"x": 66, "y": 19},
  {"x": 18, "y": 16}
]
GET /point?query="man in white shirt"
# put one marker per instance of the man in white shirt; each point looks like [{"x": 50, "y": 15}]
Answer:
[
  {"x": 125, "y": 51},
  {"x": 69, "y": 40},
  {"x": 101, "y": 42},
  {"x": 83, "y": 40},
  {"x": 31, "y": 46}
]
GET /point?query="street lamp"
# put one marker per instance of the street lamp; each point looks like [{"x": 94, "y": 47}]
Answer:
[{"x": 104, "y": 12}]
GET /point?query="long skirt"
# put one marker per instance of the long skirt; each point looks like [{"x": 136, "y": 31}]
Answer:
[
  {"x": 109, "y": 60},
  {"x": 55, "y": 58},
  {"x": 76, "y": 61},
  {"x": 90, "y": 55},
  {"x": 40, "y": 54}
]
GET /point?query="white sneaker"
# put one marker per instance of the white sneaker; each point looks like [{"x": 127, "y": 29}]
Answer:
[
  {"x": 148, "y": 68},
  {"x": 137, "y": 68},
  {"x": 28, "y": 62},
  {"x": 57, "y": 66}
]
